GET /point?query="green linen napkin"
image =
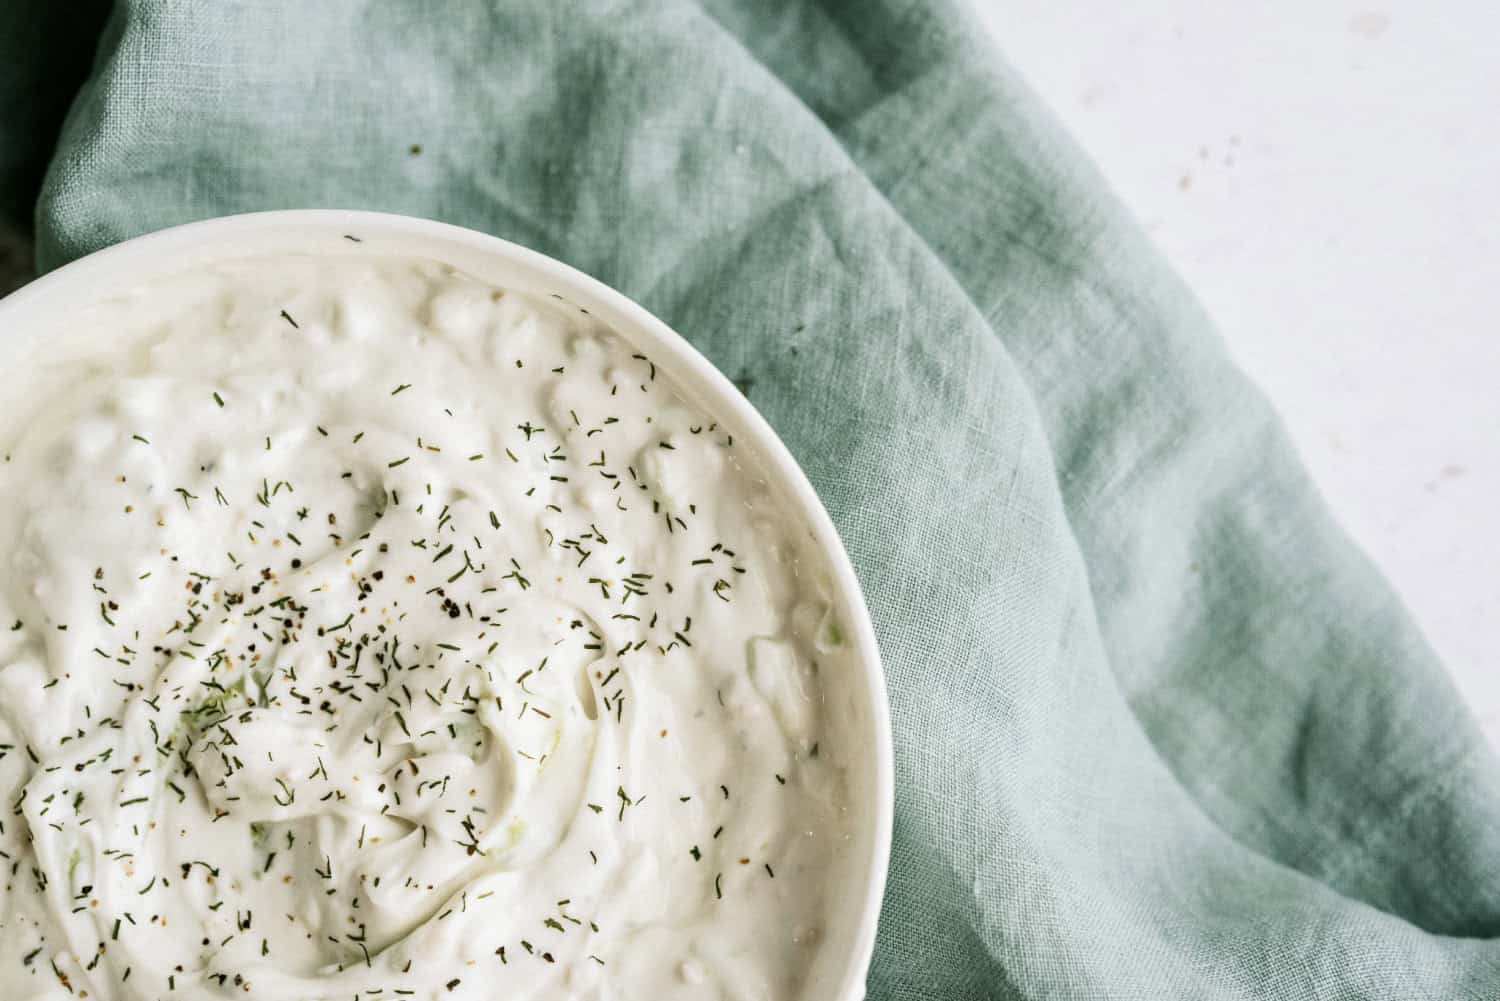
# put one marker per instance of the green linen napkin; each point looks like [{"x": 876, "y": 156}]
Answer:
[{"x": 1160, "y": 731}]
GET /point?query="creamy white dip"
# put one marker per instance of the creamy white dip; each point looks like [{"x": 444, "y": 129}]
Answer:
[{"x": 370, "y": 632}]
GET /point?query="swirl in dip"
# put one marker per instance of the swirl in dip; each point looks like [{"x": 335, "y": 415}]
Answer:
[{"x": 370, "y": 632}]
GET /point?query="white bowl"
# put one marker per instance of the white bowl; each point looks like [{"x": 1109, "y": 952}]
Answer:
[{"x": 47, "y": 302}]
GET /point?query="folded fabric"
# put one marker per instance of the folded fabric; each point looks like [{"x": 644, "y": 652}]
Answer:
[{"x": 1160, "y": 731}]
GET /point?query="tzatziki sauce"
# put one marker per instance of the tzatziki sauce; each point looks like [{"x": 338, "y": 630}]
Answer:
[{"x": 368, "y": 631}]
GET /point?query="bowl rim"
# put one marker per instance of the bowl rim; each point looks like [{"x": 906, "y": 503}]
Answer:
[{"x": 53, "y": 295}]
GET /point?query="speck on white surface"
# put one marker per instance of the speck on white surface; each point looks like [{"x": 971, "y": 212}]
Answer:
[{"x": 1326, "y": 177}]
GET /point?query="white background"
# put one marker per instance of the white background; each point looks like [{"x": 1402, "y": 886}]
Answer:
[{"x": 1326, "y": 176}]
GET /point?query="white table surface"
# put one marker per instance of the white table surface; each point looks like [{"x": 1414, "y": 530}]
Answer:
[{"x": 1326, "y": 176}]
